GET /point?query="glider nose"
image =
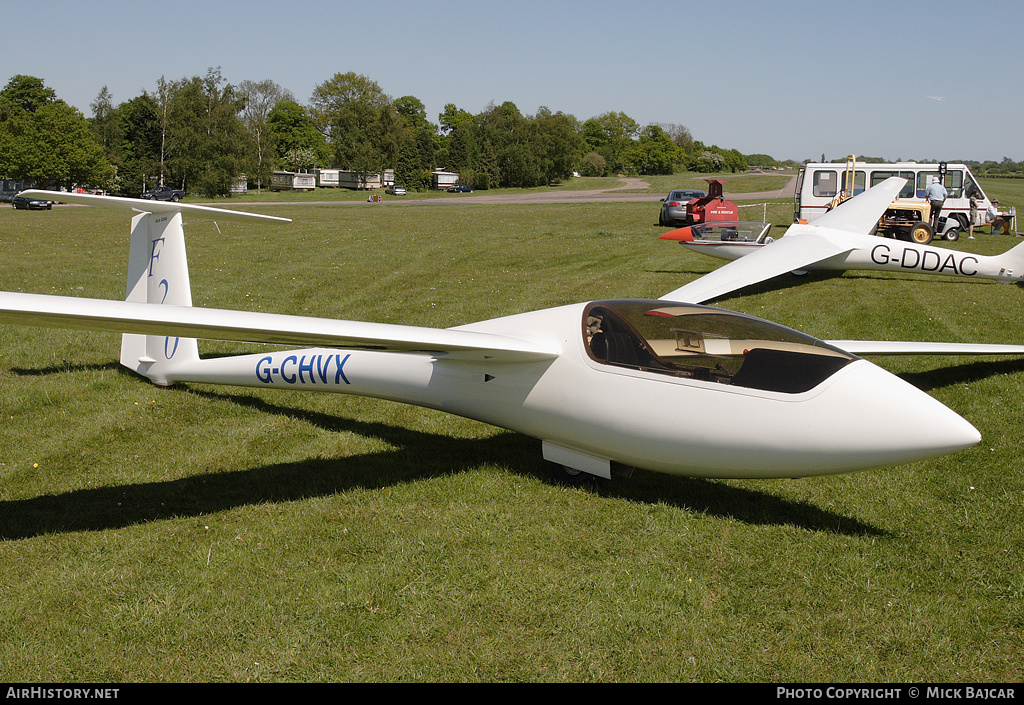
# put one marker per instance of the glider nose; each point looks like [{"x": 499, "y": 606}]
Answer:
[
  {"x": 895, "y": 422},
  {"x": 683, "y": 234}
]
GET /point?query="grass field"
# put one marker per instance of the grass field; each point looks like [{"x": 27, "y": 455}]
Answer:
[{"x": 217, "y": 534}]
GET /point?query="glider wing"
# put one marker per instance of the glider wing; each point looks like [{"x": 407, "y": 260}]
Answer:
[
  {"x": 143, "y": 206},
  {"x": 253, "y": 327},
  {"x": 798, "y": 249},
  {"x": 784, "y": 255},
  {"x": 860, "y": 214},
  {"x": 892, "y": 347}
]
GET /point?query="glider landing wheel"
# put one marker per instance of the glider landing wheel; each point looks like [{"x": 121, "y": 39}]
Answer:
[
  {"x": 571, "y": 477},
  {"x": 921, "y": 233},
  {"x": 952, "y": 234}
]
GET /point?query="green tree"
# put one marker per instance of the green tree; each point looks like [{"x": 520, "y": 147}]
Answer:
[
  {"x": 558, "y": 144},
  {"x": 104, "y": 119},
  {"x": 359, "y": 121},
  {"x": 164, "y": 94},
  {"x": 456, "y": 149},
  {"x": 760, "y": 160},
  {"x": 25, "y": 93},
  {"x": 137, "y": 154},
  {"x": 593, "y": 164},
  {"x": 611, "y": 135},
  {"x": 207, "y": 143},
  {"x": 418, "y": 149},
  {"x": 654, "y": 152},
  {"x": 706, "y": 161},
  {"x": 506, "y": 141},
  {"x": 292, "y": 127},
  {"x": 45, "y": 140},
  {"x": 260, "y": 98}
]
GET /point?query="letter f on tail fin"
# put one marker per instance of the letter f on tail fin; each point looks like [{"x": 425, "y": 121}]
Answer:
[{"x": 158, "y": 274}]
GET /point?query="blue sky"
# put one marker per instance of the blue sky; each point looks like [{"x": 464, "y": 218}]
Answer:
[{"x": 912, "y": 80}]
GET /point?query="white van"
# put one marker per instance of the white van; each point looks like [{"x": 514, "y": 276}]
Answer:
[{"x": 818, "y": 184}]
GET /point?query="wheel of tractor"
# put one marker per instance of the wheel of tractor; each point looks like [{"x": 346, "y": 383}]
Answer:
[{"x": 921, "y": 233}]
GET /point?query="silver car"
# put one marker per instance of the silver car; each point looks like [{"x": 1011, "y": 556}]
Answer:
[{"x": 673, "y": 206}]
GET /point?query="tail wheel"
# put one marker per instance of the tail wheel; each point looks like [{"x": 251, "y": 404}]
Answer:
[{"x": 921, "y": 233}]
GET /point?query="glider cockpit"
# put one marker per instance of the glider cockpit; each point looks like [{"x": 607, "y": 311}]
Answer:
[
  {"x": 726, "y": 231},
  {"x": 708, "y": 344}
]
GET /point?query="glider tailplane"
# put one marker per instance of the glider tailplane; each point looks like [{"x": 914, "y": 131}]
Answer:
[{"x": 158, "y": 274}]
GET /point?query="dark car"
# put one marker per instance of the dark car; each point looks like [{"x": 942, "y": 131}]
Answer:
[
  {"x": 31, "y": 204},
  {"x": 460, "y": 188},
  {"x": 163, "y": 193},
  {"x": 673, "y": 206}
]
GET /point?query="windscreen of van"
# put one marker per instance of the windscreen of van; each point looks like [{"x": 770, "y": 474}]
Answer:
[
  {"x": 954, "y": 183},
  {"x": 970, "y": 185}
]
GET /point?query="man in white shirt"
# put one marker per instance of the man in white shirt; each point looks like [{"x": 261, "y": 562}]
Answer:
[{"x": 936, "y": 194}]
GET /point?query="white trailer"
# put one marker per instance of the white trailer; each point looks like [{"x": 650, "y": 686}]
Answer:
[
  {"x": 292, "y": 181},
  {"x": 327, "y": 178},
  {"x": 820, "y": 184}
]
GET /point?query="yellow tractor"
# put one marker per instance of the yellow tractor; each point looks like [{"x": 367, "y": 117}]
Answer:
[
  {"x": 908, "y": 220},
  {"x": 905, "y": 219}
]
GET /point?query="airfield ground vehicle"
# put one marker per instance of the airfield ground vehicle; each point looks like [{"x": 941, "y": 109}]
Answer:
[
  {"x": 673, "y": 206},
  {"x": 31, "y": 204},
  {"x": 821, "y": 186},
  {"x": 164, "y": 193},
  {"x": 911, "y": 221},
  {"x": 706, "y": 208}
]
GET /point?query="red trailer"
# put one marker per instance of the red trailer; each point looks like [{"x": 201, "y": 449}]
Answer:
[{"x": 711, "y": 208}]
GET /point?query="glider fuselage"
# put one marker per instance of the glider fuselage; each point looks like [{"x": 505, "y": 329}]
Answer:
[
  {"x": 884, "y": 255},
  {"x": 659, "y": 420}
]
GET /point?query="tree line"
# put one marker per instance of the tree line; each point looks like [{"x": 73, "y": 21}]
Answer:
[{"x": 201, "y": 133}]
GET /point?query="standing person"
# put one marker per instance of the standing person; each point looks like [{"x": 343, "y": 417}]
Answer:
[
  {"x": 936, "y": 194},
  {"x": 975, "y": 202}
]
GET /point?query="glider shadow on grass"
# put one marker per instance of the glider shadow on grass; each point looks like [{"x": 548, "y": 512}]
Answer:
[{"x": 415, "y": 456}]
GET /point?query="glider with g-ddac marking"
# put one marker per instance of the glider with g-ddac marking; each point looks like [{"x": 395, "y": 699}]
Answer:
[
  {"x": 838, "y": 240},
  {"x": 606, "y": 385}
]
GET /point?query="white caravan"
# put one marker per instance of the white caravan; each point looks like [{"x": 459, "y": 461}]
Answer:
[{"x": 818, "y": 185}]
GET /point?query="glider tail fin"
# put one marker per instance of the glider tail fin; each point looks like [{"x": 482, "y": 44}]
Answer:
[
  {"x": 1012, "y": 261},
  {"x": 158, "y": 274}
]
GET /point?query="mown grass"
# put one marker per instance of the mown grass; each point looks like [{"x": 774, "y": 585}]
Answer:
[{"x": 216, "y": 534}]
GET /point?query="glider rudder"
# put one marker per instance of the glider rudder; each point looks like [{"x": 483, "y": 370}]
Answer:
[
  {"x": 158, "y": 274},
  {"x": 1012, "y": 262}
]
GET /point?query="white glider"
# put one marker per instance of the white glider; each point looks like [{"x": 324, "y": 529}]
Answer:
[
  {"x": 838, "y": 240},
  {"x": 605, "y": 385}
]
